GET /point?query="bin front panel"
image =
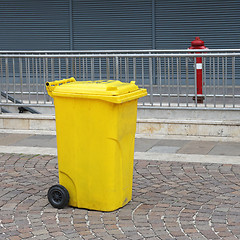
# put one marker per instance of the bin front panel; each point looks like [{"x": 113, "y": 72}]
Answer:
[{"x": 95, "y": 141}]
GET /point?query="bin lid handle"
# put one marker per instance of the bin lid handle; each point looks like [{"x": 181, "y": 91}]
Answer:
[{"x": 50, "y": 86}]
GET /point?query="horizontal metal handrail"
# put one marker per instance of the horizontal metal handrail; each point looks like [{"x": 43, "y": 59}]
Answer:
[
  {"x": 120, "y": 51},
  {"x": 144, "y": 55}
]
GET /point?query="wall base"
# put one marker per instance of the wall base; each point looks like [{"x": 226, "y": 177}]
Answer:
[{"x": 186, "y": 127}]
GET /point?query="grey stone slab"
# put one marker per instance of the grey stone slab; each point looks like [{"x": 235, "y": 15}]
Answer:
[
  {"x": 226, "y": 148},
  {"x": 197, "y": 147},
  {"x": 7, "y": 139},
  {"x": 163, "y": 149},
  {"x": 2, "y": 135},
  {"x": 143, "y": 144},
  {"x": 172, "y": 142},
  {"x": 38, "y": 141},
  {"x": 52, "y": 143}
]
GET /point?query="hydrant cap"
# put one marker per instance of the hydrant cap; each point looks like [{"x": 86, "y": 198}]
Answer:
[{"x": 197, "y": 42}]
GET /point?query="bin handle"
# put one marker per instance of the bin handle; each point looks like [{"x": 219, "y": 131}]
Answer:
[{"x": 50, "y": 86}]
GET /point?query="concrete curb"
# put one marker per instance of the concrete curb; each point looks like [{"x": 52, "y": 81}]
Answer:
[
  {"x": 189, "y": 127},
  {"x": 224, "y": 128},
  {"x": 28, "y": 150},
  {"x": 191, "y": 158},
  {"x": 162, "y": 157}
]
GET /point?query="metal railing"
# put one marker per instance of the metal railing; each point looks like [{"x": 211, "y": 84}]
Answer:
[{"x": 168, "y": 75}]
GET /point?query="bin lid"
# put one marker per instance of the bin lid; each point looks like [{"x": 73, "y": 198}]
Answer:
[{"x": 109, "y": 90}]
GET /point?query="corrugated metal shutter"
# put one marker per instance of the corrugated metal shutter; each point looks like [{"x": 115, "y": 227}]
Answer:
[
  {"x": 34, "y": 25},
  {"x": 112, "y": 24},
  {"x": 215, "y": 22}
]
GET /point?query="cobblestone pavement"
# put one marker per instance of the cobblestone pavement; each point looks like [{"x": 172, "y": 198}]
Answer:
[{"x": 171, "y": 200}]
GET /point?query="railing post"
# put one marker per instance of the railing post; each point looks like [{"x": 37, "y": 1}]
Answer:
[
  {"x": 151, "y": 80},
  {"x": 117, "y": 68},
  {"x": 7, "y": 78}
]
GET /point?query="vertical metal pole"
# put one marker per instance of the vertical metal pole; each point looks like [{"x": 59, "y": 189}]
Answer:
[
  {"x": 72, "y": 67},
  {"x": 165, "y": 71},
  {"x": 84, "y": 78},
  {"x": 52, "y": 75},
  {"x": 169, "y": 99},
  {"x": 44, "y": 79},
  {"x": 178, "y": 81},
  {"x": 59, "y": 68},
  {"x": 14, "y": 80},
  {"x": 172, "y": 76},
  {"x": 36, "y": 78},
  {"x": 233, "y": 80},
  {"x": 100, "y": 68},
  {"x": 21, "y": 76},
  {"x": 160, "y": 80},
  {"x": 226, "y": 81},
  {"x": 86, "y": 64},
  {"x": 52, "y": 69},
  {"x": 218, "y": 76},
  {"x": 214, "y": 84},
  {"x": 26, "y": 76},
  {"x": 66, "y": 67},
  {"x": 40, "y": 71},
  {"x": 92, "y": 69},
  {"x": 29, "y": 81},
  {"x": 33, "y": 76},
  {"x": 117, "y": 68},
  {"x": 187, "y": 80},
  {"x": 114, "y": 68},
  {"x": 143, "y": 77},
  {"x": 180, "y": 74},
  {"x": 1, "y": 82},
  {"x": 223, "y": 81},
  {"x": 108, "y": 69},
  {"x": 7, "y": 78},
  {"x": 210, "y": 74},
  {"x": 79, "y": 69},
  {"x": 159, "y": 83},
  {"x": 75, "y": 67},
  {"x": 205, "y": 81},
  {"x": 195, "y": 81},
  {"x": 46, "y": 59},
  {"x": 151, "y": 80},
  {"x": 46, "y": 95},
  {"x": 127, "y": 68},
  {"x": 120, "y": 59},
  {"x": 134, "y": 70}
]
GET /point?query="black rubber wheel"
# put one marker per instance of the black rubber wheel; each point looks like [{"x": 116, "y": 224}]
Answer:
[{"x": 58, "y": 196}]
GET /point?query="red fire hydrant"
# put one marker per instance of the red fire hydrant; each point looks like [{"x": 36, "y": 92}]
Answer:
[{"x": 198, "y": 44}]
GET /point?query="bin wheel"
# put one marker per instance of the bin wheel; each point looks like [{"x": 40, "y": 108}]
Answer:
[{"x": 58, "y": 196}]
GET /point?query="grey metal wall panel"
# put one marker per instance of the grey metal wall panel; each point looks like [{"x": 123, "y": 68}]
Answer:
[
  {"x": 34, "y": 25},
  {"x": 215, "y": 22},
  {"x": 120, "y": 24}
]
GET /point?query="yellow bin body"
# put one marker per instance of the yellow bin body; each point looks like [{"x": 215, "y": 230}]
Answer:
[{"x": 95, "y": 139}]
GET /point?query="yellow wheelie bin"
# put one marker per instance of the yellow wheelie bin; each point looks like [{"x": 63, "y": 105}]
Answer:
[{"x": 95, "y": 125}]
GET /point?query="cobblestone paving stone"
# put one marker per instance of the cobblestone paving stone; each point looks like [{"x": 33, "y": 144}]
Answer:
[{"x": 171, "y": 200}]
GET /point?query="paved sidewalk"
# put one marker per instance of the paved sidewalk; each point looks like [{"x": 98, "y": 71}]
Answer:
[
  {"x": 34, "y": 142},
  {"x": 183, "y": 188}
]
